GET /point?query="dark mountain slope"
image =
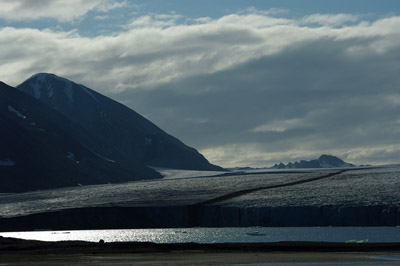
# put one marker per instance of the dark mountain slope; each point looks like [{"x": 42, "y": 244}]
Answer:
[
  {"x": 40, "y": 148},
  {"x": 115, "y": 124}
]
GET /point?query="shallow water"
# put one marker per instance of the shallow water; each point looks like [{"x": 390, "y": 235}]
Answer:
[
  {"x": 222, "y": 235},
  {"x": 326, "y": 264}
]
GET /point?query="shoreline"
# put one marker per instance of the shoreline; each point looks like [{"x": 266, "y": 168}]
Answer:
[
  {"x": 32, "y": 252},
  {"x": 21, "y": 245}
]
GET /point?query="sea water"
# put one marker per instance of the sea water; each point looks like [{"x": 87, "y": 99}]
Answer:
[
  {"x": 221, "y": 235},
  {"x": 235, "y": 235}
]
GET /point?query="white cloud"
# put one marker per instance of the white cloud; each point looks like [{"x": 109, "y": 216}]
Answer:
[
  {"x": 154, "y": 21},
  {"x": 65, "y": 11},
  {"x": 107, "y": 5},
  {"x": 149, "y": 56}
]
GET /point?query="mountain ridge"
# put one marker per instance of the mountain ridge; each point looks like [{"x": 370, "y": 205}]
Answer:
[
  {"x": 41, "y": 149},
  {"x": 114, "y": 123},
  {"x": 57, "y": 133},
  {"x": 324, "y": 161}
]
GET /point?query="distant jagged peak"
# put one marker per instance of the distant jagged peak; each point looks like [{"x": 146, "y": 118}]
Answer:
[
  {"x": 324, "y": 161},
  {"x": 331, "y": 161}
]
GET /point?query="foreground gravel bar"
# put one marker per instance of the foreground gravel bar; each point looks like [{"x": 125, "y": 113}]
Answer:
[{"x": 28, "y": 252}]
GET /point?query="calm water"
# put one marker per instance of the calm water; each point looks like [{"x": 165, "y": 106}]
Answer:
[{"x": 222, "y": 235}]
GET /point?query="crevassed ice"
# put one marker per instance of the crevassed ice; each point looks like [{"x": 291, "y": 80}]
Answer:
[{"x": 19, "y": 114}]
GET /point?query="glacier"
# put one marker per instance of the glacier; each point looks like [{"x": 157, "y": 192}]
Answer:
[{"x": 311, "y": 197}]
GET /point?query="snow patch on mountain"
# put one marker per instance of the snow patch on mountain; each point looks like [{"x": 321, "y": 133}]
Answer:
[
  {"x": 7, "y": 162},
  {"x": 102, "y": 157},
  {"x": 50, "y": 92},
  {"x": 71, "y": 156},
  {"x": 13, "y": 110},
  {"x": 37, "y": 81},
  {"x": 36, "y": 90}
]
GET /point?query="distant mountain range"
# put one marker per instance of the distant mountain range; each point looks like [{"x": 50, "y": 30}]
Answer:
[
  {"x": 324, "y": 161},
  {"x": 57, "y": 133}
]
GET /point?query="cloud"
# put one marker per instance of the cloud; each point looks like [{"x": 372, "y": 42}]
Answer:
[
  {"x": 101, "y": 17},
  {"x": 375, "y": 154},
  {"x": 267, "y": 12},
  {"x": 279, "y": 125},
  {"x": 155, "y": 21},
  {"x": 393, "y": 99},
  {"x": 107, "y": 5},
  {"x": 235, "y": 155},
  {"x": 246, "y": 88},
  {"x": 64, "y": 11},
  {"x": 151, "y": 55},
  {"x": 330, "y": 19}
]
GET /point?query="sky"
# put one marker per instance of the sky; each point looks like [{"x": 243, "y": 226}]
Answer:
[{"x": 246, "y": 82}]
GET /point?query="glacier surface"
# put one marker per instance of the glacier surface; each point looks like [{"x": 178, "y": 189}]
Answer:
[{"x": 311, "y": 197}]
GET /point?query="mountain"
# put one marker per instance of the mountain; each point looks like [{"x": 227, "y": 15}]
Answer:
[
  {"x": 324, "y": 161},
  {"x": 116, "y": 125},
  {"x": 40, "y": 148}
]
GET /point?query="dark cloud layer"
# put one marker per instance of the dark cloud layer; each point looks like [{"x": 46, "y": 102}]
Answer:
[{"x": 315, "y": 97}]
